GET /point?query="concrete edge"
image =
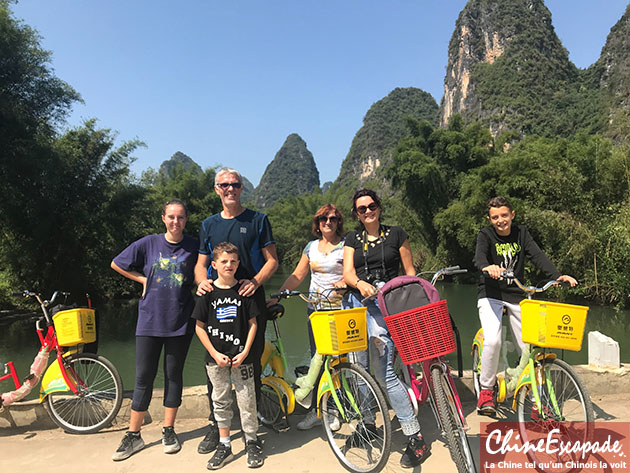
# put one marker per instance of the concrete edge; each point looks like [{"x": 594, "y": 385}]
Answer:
[{"x": 32, "y": 415}]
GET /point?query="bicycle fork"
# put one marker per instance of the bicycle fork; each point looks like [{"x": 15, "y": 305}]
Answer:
[
  {"x": 328, "y": 383},
  {"x": 537, "y": 375}
]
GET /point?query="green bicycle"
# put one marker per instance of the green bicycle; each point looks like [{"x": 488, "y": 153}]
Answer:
[
  {"x": 547, "y": 392},
  {"x": 349, "y": 401}
]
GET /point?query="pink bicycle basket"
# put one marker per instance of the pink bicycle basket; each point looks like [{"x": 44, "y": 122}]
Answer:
[{"x": 422, "y": 333}]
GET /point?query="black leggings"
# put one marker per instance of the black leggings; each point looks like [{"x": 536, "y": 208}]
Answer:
[{"x": 148, "y": 351}]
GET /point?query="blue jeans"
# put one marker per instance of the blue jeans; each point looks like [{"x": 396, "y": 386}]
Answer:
[{"x": 379, "y": 359}]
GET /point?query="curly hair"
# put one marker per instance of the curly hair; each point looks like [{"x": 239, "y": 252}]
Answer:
[{"x": 323, "y": 211}]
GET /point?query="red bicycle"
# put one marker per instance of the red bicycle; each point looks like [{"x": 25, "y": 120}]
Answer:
[{"x": 83, "y": 391}]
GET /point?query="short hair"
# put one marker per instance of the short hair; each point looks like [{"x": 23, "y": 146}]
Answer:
[
  {"x": 323, "y": 211},
  {"x": 175, "y": 202},
  {"x": 364, "y": 193},
  {"x": 224, "y": 247},
  {"x": 226, "y": 170},
  {"x": 499, "y": 201}
]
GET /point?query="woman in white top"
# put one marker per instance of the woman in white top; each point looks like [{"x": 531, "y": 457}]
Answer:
[{"x": 324, "y": 259}]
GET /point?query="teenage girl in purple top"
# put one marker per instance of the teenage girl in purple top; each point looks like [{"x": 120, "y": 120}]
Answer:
[{"x": 164, "y": 265}]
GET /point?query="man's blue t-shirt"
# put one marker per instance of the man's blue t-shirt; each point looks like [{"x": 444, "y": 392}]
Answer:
[
  {"x": 250, "y": 232},
  {"x": 165, "y": 309}
]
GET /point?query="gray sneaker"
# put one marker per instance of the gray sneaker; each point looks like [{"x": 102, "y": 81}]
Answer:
[
  {"x": 131, "y": 443},
  {"x": 170, "y": 442},
  {"x": 310, "y": 421}
]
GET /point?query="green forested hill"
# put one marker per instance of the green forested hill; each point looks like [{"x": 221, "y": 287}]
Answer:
[
  {"x": 508, "y": 69},
  {"x": 383, "y": 125},
  {"x": 179, "y": 159},
  {"x": 291, "y": 173},
  {"x": 611, "y": 73}
]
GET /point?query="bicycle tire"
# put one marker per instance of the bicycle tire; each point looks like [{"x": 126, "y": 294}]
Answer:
[
  {"x": 454, "y": 432},
  {"x": 476, "y": 371},
  {"x": 99, "y": 398},
  {"x": 269, "y": 407},
  {"x": 362, "y": 440},
  {"x": 575, "y": 408}
]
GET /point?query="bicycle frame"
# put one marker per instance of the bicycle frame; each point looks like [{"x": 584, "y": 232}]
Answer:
[
  {"x": 275, "y": 350},
  {"x": 423, "y": 389},
  {"x": 328, "y": 383},
  {"x": 274, "y": 357},
  {"x": 57, "y": 377}
]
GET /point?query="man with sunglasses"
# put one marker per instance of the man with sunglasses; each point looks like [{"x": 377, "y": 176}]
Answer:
[{"x": 250, "y": 231}]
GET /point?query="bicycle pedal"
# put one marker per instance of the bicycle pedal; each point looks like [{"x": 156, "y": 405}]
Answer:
[{"x": 282, "y": 426}]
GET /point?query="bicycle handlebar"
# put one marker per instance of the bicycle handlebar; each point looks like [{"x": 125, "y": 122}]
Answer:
[
  {"x": 316, "y": 298},
  {"x": 42, "y": 303},
  {"x": 284, "y": 294},
  {"x": 26, "y": 293},
  {"x": 529, "y": 290},
  {"x": 440, "y": 273}
]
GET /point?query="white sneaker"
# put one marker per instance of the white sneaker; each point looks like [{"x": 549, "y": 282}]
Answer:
[
  {"x": 334, "y": 423},
  {"x": 310, "y": 421}
]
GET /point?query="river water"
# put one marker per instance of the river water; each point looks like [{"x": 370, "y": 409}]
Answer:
[{"x": 18, "y": 342}]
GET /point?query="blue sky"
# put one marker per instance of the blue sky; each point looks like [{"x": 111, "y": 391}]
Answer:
[{"x": 227, "y": 81}]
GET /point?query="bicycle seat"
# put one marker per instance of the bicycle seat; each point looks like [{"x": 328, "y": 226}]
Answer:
[{"x": 275, "y": 311}]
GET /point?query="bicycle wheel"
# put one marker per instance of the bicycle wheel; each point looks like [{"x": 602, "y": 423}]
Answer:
[
  {"x": 269, "y": 405},
  {"x": 360, "y": 439},
  {"x": 456, "y": 438},
  {"x": 476, "y": 370},
  {"x": 98, "y": 400},
  {"x": 567, "y": 407}
]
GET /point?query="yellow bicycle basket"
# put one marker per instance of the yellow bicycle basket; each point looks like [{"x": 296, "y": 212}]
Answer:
[
  {"x": 552, "y": 324},
  {"x": 339, "y": 331},
  {"x": 75, "y": 326}
]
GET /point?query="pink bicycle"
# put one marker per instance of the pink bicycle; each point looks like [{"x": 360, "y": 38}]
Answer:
[{"x": 423, "y": 332}]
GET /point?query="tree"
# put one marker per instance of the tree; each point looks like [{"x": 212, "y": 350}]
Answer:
[{"x": 85, "y": 202}]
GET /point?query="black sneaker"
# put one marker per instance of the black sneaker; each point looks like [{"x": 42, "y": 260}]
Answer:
[
  {"x": 254, "y": 454},
  {"x": 131, "y": 443},
  {"x": 363, "y": 436},
  {"x": 210, "y": 441},
  {"x": 222, "y": 456},
  {"x": 417, "y": 452},
  {"x": 170, "y": 442}
]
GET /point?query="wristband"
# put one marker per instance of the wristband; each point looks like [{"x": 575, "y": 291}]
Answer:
[{"x": 356, "y": 284}]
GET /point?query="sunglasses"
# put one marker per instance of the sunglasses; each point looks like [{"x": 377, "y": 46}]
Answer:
[
  {"x": 362, "y": 209},
  {"x": 324, "y": 219},
  {"x": 225, "y": 185}
]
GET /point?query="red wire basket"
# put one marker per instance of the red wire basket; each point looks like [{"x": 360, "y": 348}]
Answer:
[{"x": 422, "y": 333}]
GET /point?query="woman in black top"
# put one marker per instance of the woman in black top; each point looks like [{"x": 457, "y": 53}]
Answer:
[{"x": 373, "y": 254}]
